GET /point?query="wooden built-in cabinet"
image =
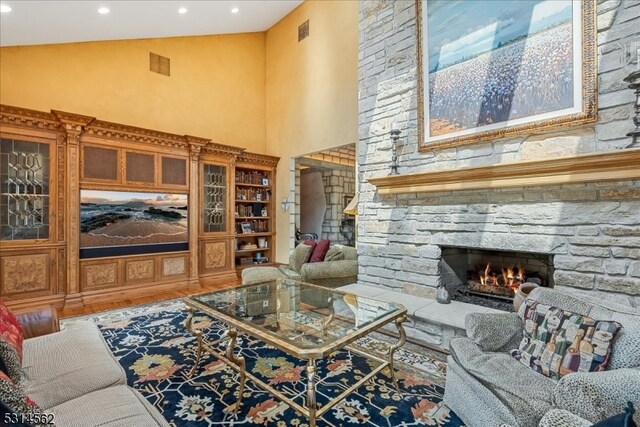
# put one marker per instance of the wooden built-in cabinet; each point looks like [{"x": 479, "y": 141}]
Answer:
[
  {"x": 47, "y": 159},
  {"x": 216, "y": 230}
]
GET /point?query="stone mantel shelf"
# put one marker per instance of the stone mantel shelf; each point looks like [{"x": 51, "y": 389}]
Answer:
[{"x": 605, "y": 166}]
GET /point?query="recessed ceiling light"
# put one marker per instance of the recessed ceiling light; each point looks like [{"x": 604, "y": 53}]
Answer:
[
  {"x": 182, "y": 10},
  {"x": 103, "y": 10},
  {"x": 235, "y": 10},
  {"x": 5, "y": 8}
]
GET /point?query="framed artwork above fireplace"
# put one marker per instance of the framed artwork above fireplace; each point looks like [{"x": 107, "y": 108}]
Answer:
[{"x": 491, "y": 68}]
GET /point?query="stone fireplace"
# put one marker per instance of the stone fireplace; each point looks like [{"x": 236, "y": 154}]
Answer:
[
  {"x": 585, "y": 234},
  {"x": 491, "y": 277}
]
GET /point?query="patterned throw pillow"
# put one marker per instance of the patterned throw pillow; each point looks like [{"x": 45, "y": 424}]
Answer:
[
  {"x": 11, "y": 338},
  {"x": 12, "y": 396},
  {"x": 558, "y": 342},
  {"x": 299, "y": 256}
]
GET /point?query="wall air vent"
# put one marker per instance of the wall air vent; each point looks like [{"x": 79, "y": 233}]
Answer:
[
  {"x": 303, "y": 31},
  {"x": 159, "y": 64}
]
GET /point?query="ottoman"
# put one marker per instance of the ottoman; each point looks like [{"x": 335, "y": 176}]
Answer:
[{"x": 260, "y": 274}]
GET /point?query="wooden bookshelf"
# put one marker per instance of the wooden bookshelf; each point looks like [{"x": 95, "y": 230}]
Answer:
[{"x": 254, "y": 212}]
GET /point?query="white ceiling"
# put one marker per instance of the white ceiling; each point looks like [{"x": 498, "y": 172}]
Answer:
[{"x": 45, "y": 22}]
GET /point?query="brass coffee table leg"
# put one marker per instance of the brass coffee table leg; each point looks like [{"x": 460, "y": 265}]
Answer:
[
  {"x": 238, "y": 360},
  {"x": 311, "y": 391},
  {"x": 198, "y": 334},
  {"x": 327, "y": 322},
  {"x": 393, "y": 348}
]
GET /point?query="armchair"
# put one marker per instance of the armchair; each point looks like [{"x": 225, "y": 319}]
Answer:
[
  {"x": 487, "y": 387},
  {"x": 38, "y": 321}
]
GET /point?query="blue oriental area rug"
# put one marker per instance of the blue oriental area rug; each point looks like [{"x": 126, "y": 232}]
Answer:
[{"x": 157, "y": 352}]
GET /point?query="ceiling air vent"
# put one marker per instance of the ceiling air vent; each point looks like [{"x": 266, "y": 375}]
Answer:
[
  {"x": 159, "y": 64},
  {"x": 303, "y": 31}
]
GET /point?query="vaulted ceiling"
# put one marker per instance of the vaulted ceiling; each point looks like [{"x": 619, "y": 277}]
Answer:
[{"x": 45, "y": 22}]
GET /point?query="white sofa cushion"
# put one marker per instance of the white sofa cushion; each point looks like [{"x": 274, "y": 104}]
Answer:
[
  {"x": 68, "y": 364},
  {"x": 118, "y": 406}
]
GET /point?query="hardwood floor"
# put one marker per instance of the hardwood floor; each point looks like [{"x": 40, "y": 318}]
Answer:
[{"x": 161, "y": 296}]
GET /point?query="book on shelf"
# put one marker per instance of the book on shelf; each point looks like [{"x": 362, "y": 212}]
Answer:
[{"x": 243, "y": 260}]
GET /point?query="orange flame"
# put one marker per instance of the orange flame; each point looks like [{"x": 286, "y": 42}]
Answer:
[{"x": 510, "y": 277}]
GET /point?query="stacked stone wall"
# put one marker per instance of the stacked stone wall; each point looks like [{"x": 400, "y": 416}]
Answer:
[
  {"x": 338, "y": 185},
  {"x": 592, "y": 229}
]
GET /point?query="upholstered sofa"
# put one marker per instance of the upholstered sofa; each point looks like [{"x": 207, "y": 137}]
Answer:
[
  {"x": 487, "y": 387},
  {"x": 73, "y": 375},
  {"x": 339, "y": 268}
]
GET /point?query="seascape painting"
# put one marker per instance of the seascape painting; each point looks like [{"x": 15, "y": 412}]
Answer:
[
  {"x": 491, "y": 65},
  {"x": 119, "y": 218}
]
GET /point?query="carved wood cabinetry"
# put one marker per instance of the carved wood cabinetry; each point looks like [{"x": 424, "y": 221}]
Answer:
[{"x": 46, "y": 159}]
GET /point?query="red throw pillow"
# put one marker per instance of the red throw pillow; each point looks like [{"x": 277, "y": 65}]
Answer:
[
  {"x": 11, "y": 338},
  {"x": 322, "y": 246},
  {"x": 311, "y": 243}
]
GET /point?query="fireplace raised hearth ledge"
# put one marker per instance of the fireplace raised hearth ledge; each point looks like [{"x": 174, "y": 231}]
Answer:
[
  {"x": 430, "y": 323},
  {"x": 615, "y": 165}
]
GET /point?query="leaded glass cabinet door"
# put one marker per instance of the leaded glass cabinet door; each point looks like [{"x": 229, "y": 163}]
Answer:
[
  {"x": 24, "y": 190},
  {"x": 215, "y": 201}
]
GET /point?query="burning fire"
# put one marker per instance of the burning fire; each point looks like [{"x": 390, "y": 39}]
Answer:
[{"x": 511, "y": 277}]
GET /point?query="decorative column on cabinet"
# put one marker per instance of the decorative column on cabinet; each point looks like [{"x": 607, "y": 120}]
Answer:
[
  {"x": 195, "y": 147},
  {"x": 72, "y": 126}
]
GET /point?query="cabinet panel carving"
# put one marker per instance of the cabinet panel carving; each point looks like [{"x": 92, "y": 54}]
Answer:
[
  {"x": 174, "y": 266},
  {"x": 25, "y": 273},
  {"x": 215, "y": 255},
  {"x": 140, "y": 270},
  {"x": 62, "y": 271},
  {"x": 101, "y": 275},
  {"x": 60, "y": 173}
]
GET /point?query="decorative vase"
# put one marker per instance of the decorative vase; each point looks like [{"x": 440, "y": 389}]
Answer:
[
  {"x": 522, "y": 293},
  {"x": 262, "y": 242},
  {"x": 442, "y": 295}
]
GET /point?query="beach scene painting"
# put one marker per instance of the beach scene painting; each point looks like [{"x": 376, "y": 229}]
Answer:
[
  {"x": 119, "y": 218},
  {"x": 487, "y": 65}
]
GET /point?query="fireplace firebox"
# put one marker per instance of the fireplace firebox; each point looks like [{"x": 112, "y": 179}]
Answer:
[{"x": 490, "y": 278}]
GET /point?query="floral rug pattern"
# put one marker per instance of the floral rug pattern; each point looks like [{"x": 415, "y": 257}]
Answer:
[{"x": 157, "y": 352}]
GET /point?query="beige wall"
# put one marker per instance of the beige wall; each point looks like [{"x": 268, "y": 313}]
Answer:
[
  {"x": 312, "y": 90},
  {"x": 216, "y": 89}
]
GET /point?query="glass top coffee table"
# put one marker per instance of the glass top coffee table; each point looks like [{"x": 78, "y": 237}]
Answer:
[{"x": 306, "y": 321}]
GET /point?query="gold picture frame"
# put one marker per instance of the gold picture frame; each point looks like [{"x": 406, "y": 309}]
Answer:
[{"x": 583, "y": 109}]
